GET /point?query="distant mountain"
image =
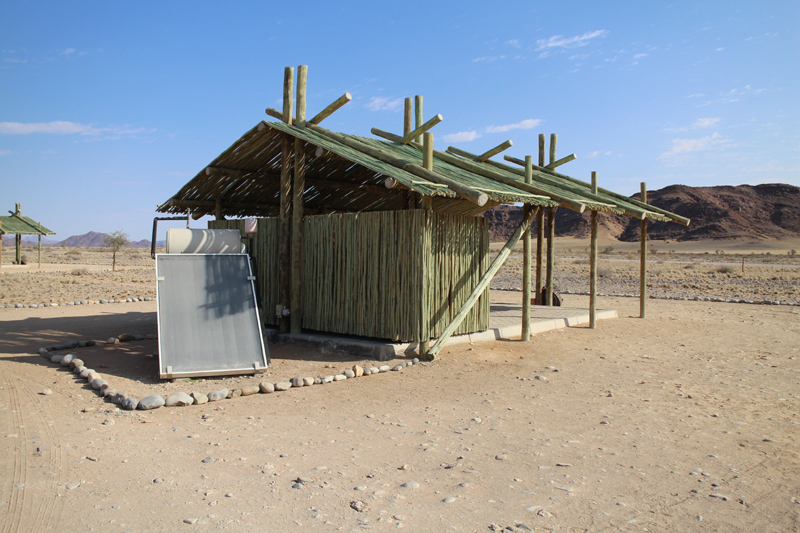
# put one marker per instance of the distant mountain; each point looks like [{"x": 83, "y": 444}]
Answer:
[
  {"x": 28, "y": 240},
  {"x": 762, "y": 212},
  {"x": 92, "y": 239}
]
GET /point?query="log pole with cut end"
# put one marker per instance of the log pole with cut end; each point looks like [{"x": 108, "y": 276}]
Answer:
[
  {"x": 643, "y": 260},
  {"x": 593, "y": 263},
  {"x": 331, "y": 108},
  {"x": 562, "y": 161},
  {"x": 298, "y": 209},
  {"x": 526, "y": 262},
  {"x": 288, "y": 83},
  {"x": 468, "y": 193},
  {"x": 481, "y": 286},
  {"x": 427, "y": 204},
  {"x": 551, "y": 236},
  {"x": 408, "y": 117},
  {"x": 540, "y": 231},
  {"x": 418, "y": 114},
  {"x": 551, "y": 231},
  {"x": 285, "y": 211},
  {"x": 422, "y": 129},
  {"x": 496, "y": 150}
]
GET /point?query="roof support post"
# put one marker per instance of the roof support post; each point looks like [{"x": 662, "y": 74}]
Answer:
[
  {"x": 285, "y": 215},
  {"x": 551, "y": 235},
  {"x": 18, "y": 237},
  {"x": 481, "y": 286},
  {"x": 298, "y": 209},
  {"x": 408, "y": 116},
  {"x": 593, "y": 263},
  {"x": 643, "y": 259},
  {"x": 551, "y": 232},
  {"x": 426, "y": 202},
  {"x": 418, "y": 114},
  {"x": 526, "y": 262},
  {"x": 540, "y": 231}
]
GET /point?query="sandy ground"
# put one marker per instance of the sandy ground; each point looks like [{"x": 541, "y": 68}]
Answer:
[{"x": 684, "y": 421}]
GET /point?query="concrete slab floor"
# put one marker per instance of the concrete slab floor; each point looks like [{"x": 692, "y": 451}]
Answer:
[{"x": 505, "y": 322}]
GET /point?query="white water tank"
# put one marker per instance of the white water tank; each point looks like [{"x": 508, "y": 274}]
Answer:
[{"x": 203, "y": 241}]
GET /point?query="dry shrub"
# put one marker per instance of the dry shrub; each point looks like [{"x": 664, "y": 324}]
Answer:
[
  {"x": 80, "y": 271},
  {"x": 726, "y": 269}
]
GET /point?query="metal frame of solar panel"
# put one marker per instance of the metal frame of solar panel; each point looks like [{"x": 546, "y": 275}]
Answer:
[{"x": 208, "y": 323}]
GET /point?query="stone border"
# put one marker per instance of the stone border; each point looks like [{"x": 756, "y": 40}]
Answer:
[
  {"x": 79, "y": 302},
  {"x": 655, "y": 297},
  {"x": 181, "y": 399}
]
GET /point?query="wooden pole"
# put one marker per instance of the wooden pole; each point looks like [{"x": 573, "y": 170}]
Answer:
[
  {"x": 418, "y": 114},
  {"x": 18, "y": 237},
  {"x": 643, "y": 260},
  {"x": 302, "y": 75},
  {"x": 540, "y": 232},
  {"x": 551, "y": 235},
  {"x": 526, "y": 262},
  {"x": 284, "y": 251},
  {"x": 332, "y": 107},
  {"x": 408, "y": 116},
  {"x": 426, "y": 202},
  {"x": 496, "y": 150},
  {"x": 551, "y": 231},
  {"x": 482, "y": 284},
  {"x": 288, "y": 82},
  {"x": 298, "y": 208},
  {"x": 468, "y": 193},
  {"x": 593, "y": 263},
  {"x": 1, "y": 244},
  {"x": 40, "y": 246}
]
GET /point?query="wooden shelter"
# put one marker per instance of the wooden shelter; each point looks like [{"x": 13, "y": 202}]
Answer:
[
  {"x": 19, "y": 225},
  {"x": 378, "y": 237}
]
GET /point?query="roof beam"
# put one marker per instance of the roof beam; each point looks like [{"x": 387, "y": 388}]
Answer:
[
  {"x": 496, "y": 150},
  {"x": 331, "y": 108},
  {"x": 634, "y": 208},
  {"x": 563, "y": 160},
  {"x": 468, "y": 193}
]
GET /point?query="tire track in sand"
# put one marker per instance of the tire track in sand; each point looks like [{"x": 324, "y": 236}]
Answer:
[{"x": 33, "y": 503}]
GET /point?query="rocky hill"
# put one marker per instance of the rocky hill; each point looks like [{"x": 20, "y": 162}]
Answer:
[
  {"x": 92, "y": 239},
  {"x": 762, "y": 212}
]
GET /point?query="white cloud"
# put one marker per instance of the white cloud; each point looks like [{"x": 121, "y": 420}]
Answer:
[
  {"x": 523, "y": 125},
  {"x": 381, "y": 103},
  {"x": 706, "y": 122},
  {"x": 65, "y": 128},
  {"x": 461, "y": 136},
  {"x": 639, "y": 56},
  {"x": 559, "y": 41},
  {"x": 703, "y": 144},
  {"x": 598, "y": 153},
  {"x": 68, "y": 51},
  {"x": 488, "y": 59},
  {"x": 514, "y": 43},
  {"x": 5, "y": 152}
]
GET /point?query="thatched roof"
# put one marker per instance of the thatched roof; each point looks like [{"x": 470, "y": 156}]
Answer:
[
  {"x": 22, "y": 225},
  {"x": 347, "y": 173}
]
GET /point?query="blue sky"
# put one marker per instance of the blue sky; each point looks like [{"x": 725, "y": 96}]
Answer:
[{"x": 108, "y": 108}]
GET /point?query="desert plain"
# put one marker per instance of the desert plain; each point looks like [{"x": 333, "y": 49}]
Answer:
[{"x": 686, "y": 420}]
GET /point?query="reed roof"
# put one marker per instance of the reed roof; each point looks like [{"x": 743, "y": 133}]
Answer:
[
  {"x": 22, "y": 225},
  {"x": 344, "y": 174}
]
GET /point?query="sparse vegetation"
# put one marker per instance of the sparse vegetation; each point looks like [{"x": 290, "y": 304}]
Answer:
[
  {"x": 724, "y": 269},
  {"x": 115, "y": 241}
]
